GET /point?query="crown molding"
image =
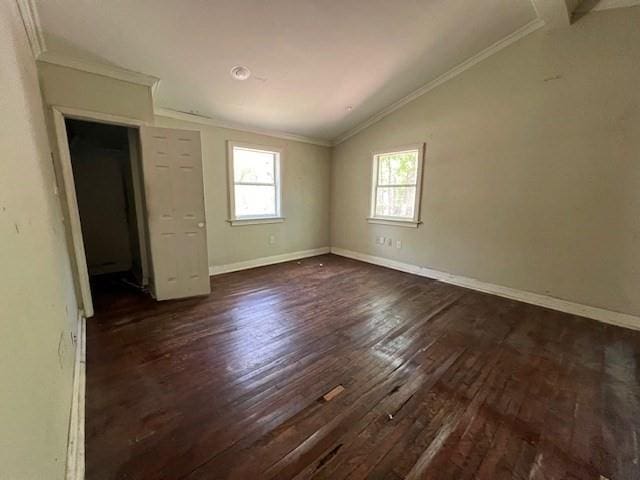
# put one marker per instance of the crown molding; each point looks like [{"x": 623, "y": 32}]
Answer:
[
  {"x": 104, "y": 70},
  {"x": 190, "y": 117},
  {"x": 555, "y": 13},
  {"x": 31, "y": 22},
  {"x": 455, "y": 71}
]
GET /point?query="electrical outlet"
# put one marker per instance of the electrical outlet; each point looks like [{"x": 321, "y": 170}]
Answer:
[
  {"x": 272, "y": 239},
  {"x": 398, "y": 243},
  {"x": 380, "y": 240},
  {"x": 389, "y": 242}
]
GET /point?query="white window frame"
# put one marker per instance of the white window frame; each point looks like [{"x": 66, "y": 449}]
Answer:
[
  {"x": 398, "y": 221},
  {"x": 254, "y": 219}
]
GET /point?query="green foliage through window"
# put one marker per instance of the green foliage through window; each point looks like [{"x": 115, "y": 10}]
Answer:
[{"x": 396, "y": 184}]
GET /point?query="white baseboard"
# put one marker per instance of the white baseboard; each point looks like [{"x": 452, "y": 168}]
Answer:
[
  {"x": 75, "y": 449},
  {"x": 595, "y": 313},
  {"x": 260, "y": 262}
]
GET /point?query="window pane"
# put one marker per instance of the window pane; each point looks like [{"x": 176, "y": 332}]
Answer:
[
  {"x": 395, "y": 202},
  {"x": 250, "y": 166},
  {"x": 398, "y": 168},
  {"x": 255, "y": 200}
]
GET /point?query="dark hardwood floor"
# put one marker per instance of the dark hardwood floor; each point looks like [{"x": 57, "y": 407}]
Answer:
[{"x": 439, "y": 382}]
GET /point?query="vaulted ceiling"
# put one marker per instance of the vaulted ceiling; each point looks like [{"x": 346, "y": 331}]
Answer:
[{"x": 310, "y": 59}]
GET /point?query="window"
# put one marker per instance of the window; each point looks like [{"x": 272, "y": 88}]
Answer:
[
  {"x": 254, "y": 184},
  {"x": 395, "y": 192}
]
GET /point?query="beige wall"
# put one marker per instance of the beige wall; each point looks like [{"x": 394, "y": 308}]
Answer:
[
  {"x": 531, "y": 181},
  {"x": 305, "y": 197},
  {"x": 306, "y": 168},
  {"x": 37, "y": 303},
  {"x": 532, "y": 173}
]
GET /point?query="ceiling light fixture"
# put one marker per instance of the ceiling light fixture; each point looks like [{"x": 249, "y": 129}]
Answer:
[
  {"x": 349, "y": 108},
  {"x": 240, "y": 73}
]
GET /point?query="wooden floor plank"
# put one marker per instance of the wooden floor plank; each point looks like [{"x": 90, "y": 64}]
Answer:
[{"x": 439, "y": 382}]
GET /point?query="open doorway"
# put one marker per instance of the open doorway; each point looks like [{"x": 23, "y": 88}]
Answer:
[
  {"x": 109, "y": 192},
  {"x": 170, "y": 253}
]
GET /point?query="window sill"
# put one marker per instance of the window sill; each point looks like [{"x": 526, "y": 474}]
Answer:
[
  {"x": 395, "y": 223},
  {"x": 255, "y": 221}
]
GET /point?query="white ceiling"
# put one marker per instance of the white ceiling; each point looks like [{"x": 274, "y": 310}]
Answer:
[{"x": 310, "y": 58}]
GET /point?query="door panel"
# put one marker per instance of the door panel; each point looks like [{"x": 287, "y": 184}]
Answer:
[{"x": 174, "y": 190}]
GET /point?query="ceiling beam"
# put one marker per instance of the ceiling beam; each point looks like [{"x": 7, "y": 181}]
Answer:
[{"x": 554, "y": 12}]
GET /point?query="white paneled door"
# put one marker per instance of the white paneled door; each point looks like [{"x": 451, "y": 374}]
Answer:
[{"x": 174, "y": 192}]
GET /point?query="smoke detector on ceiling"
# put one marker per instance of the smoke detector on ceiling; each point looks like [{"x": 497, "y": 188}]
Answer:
[{"x": 240, "y": 73}]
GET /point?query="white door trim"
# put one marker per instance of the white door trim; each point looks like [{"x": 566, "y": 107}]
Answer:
[
  {"x": 90, "y": 115},
  {"x": 68, "y": 192},
  {"x": 75, "y": 447}
]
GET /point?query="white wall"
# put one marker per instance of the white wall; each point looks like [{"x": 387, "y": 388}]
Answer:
[
  {"x": 532, "y": 173},
  {"x": 305, "y": 197},
  {"x": 37, "y": 303}
]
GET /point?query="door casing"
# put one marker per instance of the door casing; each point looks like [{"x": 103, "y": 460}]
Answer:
[{"x": 66, "y": 185}]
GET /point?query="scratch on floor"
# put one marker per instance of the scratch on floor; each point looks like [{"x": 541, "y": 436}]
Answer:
[
  {"x": 139, "y": 438},
  {"x": 432, "y": 450},
  {"x": 327, "y": 458},
  {"x": 536, "y": 466}
]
